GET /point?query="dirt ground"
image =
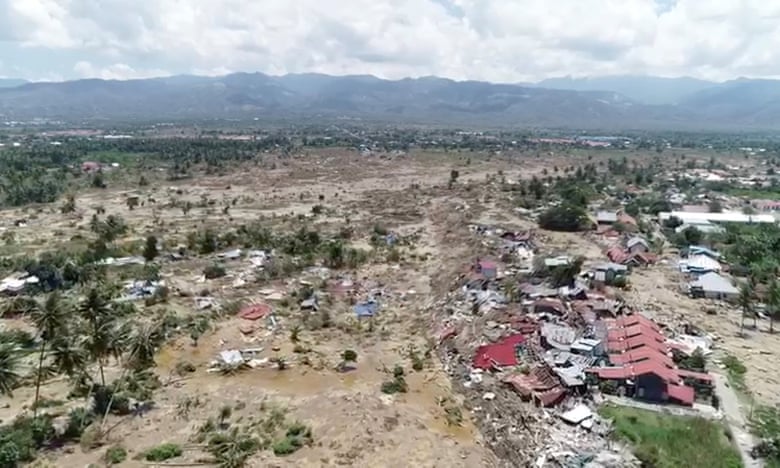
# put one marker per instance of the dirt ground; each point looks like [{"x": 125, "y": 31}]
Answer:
[{"x": 353, "y": 423}]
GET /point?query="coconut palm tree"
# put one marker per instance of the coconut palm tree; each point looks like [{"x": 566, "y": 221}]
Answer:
[
  {"x": 773, "y": 302},
  {"x": 9, "y": 365},
  {"x": 141, "y": 344},
  {"x": 96, "y": 311},
  {"x": 745, "y": 301},
  {"x": 49, "y": 318},
  {"x": 68, "y": 356}
]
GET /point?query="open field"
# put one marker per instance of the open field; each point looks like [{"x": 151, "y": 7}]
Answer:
[
  {"x": 427, "y": 200},
  {"x": 668, "y": 441},
  {"x": 352, "y": 421}
]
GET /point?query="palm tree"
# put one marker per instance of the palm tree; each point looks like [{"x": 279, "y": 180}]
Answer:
[
  {"x": 141, "y": 344},
  {"x": 745, "y": 301},
  {"x": 68, "y": 355},
  {"x": 9, "y": 365},
  {"x": 773, "y": 303},
  {"x": 95, "y": 309},
  {"x": 49, "y": 318}
]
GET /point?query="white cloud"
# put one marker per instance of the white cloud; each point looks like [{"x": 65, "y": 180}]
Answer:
[
  {"x": 117, "y": 71},
  {"x": 497, "y": 40}
]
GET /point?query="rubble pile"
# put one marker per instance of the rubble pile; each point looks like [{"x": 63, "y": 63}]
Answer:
[{"x": 522, "y": 347}]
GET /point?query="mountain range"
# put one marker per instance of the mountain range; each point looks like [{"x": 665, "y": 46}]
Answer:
[{"x": 617, "y": 102}]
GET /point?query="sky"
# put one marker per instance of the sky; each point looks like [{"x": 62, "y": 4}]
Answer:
[{"x": 492, "y": 40}]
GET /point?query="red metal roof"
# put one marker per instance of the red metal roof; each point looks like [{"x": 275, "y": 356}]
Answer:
[
  {"x": 657, "y": 368},
  {"x": 617, "y": 334},
  {"x": 635, "y": 370},
  {"x": 634, "y": 319},
  {"x": 703, "y": 376},
  {"x": 641, "y": 354},
  {"x": 682, "y": 393},
  {"x": 541, "y": 384},
  {"x": 254, "y": 311},
  {"x": 635, "y": 342},
  {"x": 611, "y": 373},
  {"x": 499, "y": 354}
]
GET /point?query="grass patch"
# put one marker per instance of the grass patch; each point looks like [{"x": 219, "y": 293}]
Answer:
[
  {"x": 163, "y": 452},
  {"x": 753, "y": 193},
  {"x": 735, "y": 371},
  {"x": 667, "y": 441},
  {"x": 115, "y": 455}
]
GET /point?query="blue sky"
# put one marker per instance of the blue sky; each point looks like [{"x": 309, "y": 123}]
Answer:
[{"x": 494, "y": 40}]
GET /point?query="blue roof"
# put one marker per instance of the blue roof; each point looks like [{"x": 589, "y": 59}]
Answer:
[{"x": 366, "y": 309}]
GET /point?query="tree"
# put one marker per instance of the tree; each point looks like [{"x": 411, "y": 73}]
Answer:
[
  {"x": 745, "y": 301},
  {"x": 773, "y": 303},
  {"x": 335, "y": 254},
  {"x": 454, "y": 174},
  {"x": 150, "y": 249},
  {"x": 566, "y": 217},
  {"x": 68, "y": 355},
  {"x": 49, "y": 318},
  {"x": 70, "y": 205},
  {"x": 96, "y": 311},
  {"x": 566, "y": 274},
  {"x": 9, "y": 365},
  {"x": 97, "y": 180},
  {"x": 692, "y": 236},
  {"x": 142, "y": 344}
]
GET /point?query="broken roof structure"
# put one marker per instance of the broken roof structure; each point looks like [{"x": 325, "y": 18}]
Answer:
[
  {"x": 16, "y": 283},
  {"x": 368, "y": 308},
  {"x": 500, "y": 354},
  {"x": 254, "y": 311},
  {"x": 699, "y": 264},
  {"x": 540, "y": 385}
]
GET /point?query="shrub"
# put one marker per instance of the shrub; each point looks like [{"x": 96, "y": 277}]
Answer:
[
  {"x": 115, "y": 455},
  {"x": 78, "y": 419},
  {"x": 349, "y": 355},
  {"x": 163, "y": 452},
  {"x": 214, "y": 271},
  {"x": 284, "y": 446}
]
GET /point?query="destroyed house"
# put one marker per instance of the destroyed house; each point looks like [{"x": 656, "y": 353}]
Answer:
[
  {"x": 498, "y": 355},
  {"x": 618, "y": 255},
  {"x": 549, "y": 306},
  {"x": 486, "y": 268},
  {"x": 637, "y": 244},
  {"x": 541, "y": 385}
]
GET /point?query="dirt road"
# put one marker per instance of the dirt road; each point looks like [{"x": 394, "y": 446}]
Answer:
[{"x": 735, "y": 418}]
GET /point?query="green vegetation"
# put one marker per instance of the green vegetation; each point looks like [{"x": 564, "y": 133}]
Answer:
[
  {"x": 667, "y": 441},
  {"x": 398, "y": 384},
  {"x": 163, "y": 452},
  {"x": 297, "y": 436},
  {"x": 736, "y": 372},
  {"x": 565, "y": 217},
  {"x": 115, "y": 455}
]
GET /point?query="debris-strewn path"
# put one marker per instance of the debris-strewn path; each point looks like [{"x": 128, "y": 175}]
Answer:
[{"x": 730, "y": 405}]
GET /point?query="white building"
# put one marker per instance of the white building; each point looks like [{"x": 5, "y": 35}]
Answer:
[{"x": 724, "y": 217}]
